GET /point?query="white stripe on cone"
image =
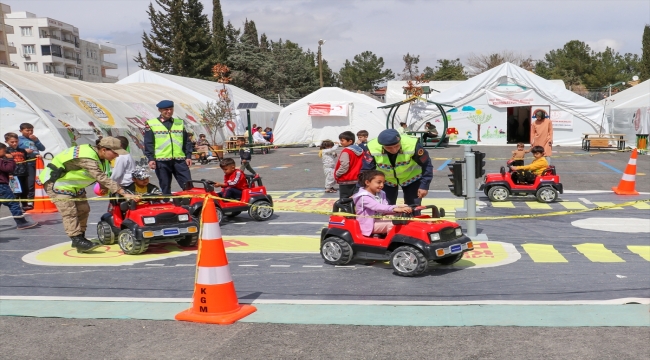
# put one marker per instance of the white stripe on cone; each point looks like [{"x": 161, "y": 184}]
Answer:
[
  {"x": 628, "y": 177},
  {"x": 214, "y": 275},
  {"x": 211, "y": 231},
  {"x": 632, "y": 162},
  {"x": 39, "y": 192}
]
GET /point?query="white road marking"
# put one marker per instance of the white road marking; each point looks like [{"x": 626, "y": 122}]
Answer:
[
  {"x": 619, "y": 225},
  {"x": 154, "y": 264},
  {"x": 6, "y": 217},
  {"x": 313, "y": 266},
  {"x": 284, "y": 266},
  {"x": 585, "y": 201},
  {"x": 297, "y": 222},
  {"x": 185, "y": 264},
  {"x": 345, "y": 266},
  {"x": 248, "y": 265}
]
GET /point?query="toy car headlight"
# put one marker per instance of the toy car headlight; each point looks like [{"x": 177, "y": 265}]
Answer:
[
  {"x": 434, "y": 237},
  {"x": 183, "y": 217},
  {"x": 459, "y": 231},
  {"x": 149, "y": 220}
]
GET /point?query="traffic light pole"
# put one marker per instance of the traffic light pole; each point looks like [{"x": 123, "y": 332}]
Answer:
[{"x": 470, "y": 186}]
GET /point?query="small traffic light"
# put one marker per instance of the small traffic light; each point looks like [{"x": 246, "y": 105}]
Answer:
[
  {"x": 456, "y": 178},
  {"x": 479, "y": 164}
]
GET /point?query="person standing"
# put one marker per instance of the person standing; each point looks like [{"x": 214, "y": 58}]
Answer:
[
  {"x": 33, "y": 146},
  {"x": 124, "y": 165},
  {"x": 404, "y": 162},
  {"x": 65, "y": 180},
  {"x": 7, "y": 166},
  {"x": 168, "y": 148},
  {"x": 541, "y": 134}
]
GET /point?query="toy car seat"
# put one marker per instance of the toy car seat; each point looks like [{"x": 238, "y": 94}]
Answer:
[
  {"x": 252, "y": 180},
  {"x": 344, "y": 205},
  {"x": 550, "y": 170}
]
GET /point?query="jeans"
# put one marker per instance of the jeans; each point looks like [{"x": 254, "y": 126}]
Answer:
[
  {"x": 165, "y": 170},
  {"x": 231, "y": 193},
  {"x": 7, "y": 194},
  {"x": 247, "y": 166},
  {"x": 410, "y": 194}
]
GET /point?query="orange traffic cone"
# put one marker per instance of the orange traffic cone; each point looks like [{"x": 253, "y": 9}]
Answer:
[
  {"x": 628, "y": 181},
  {"x": 42, "y": 203},
  {"x": 214, "y": 300}
]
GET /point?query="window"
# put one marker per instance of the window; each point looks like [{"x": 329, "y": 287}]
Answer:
[
  {"x": 45, "y": 50},
  {"x": 89, "y": 72},
  {"x": 29, "y": 49},
  {"x": 26, "y": 30},
  {"x": 87, "y": 53},
  {"x": 48, "y": 69},
  {"x": 31, "y": 67}
]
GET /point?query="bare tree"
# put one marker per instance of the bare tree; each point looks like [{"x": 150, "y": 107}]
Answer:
[
  {"x": 218, "y": 112},
  {"x": 478, "y": 63},
  {"x": 410, "y": 67}
]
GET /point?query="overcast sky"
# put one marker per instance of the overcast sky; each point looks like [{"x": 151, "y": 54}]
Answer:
[{"x": 433, "y": 29}]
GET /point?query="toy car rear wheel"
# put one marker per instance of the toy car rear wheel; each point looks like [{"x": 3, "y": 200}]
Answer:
[
  {"x": 188, "y": 241},
  {"x": 261, "y": 210},
  {"x": 233, "y": 214},
  {"x": 197, "y": 213},
  {"x": 130, "y": 245},
  {"x": 450, "y": 260},
  {"x": 105, "y": 233},
  {"x": 498, "y": 193},
  {"x": 546, "y": 194},
  {"x": 408, "y": 261},
  {"x": 335, "y": 251}
]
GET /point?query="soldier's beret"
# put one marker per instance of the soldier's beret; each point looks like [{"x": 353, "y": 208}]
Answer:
[
  {"x": 388, "y": 137},
  {"x": 165, "y": 104}
]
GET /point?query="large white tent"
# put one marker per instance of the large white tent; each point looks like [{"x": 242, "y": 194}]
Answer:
[
  {"x": 483, "y": 107},
  {"x": 395, "y": 93},
  {"x": 264, "y": 114},
  {"x": 360, "y": 112},
  {"x": 70, "y": 112},
  {"x": 628, "y": 112}
]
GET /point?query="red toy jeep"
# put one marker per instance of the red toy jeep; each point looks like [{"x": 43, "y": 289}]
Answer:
[
  {"x": 255, "y": 200},
  {"x": 545, "y": 187},
  {"x": 409, "y": 246},
  {"x": 135, "y": 226}
]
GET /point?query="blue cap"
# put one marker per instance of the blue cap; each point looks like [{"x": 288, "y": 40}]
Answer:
[
  {"x": 165, "y": 104},
  {"x": 388, "y": 137}
]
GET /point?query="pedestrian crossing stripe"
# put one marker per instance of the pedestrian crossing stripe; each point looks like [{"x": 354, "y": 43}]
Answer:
[
  {"x": 608, "y": 204},
  {"x": 643, "y": 251},
  {"x": 546, "y": 253},
  {"x": 598, "y": 253},
  {"x": 538, "y": 206},
  {"x": 642, "y": 206},
  {"x": 573, "y": 205},
  {"x": 542, "y": 253}
]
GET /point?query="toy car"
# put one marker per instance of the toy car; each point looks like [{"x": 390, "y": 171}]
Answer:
[
  {"x": 255, "y": 200},
  {"x": 135, "y": 226},
  {"x": 409, "y": 245},
  {"x": 545, "y": 187}
]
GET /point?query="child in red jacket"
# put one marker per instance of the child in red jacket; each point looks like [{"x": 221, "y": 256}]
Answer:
[
  {"x": 234, "y": 180},
  {"x": 7, "y": 167},
  {"x": 348, "y": 165}
]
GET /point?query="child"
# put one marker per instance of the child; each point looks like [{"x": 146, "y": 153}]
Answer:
[
  {"x": 7, "y": 166},
  {"x": 537, "y": 167},
  {"x": 371, "y": 200},
  {"x": 258, "y": 138},
  {"x": 245, "y": 156},
  {"x": 124, "y": 165},
  {"x": 402, "y": 128},
  {"x": 203, "y": 148},
  {"x": 32, "y": 146},
  {"x": 348, "y": 165},
  {"x": 517, "y": 158},
  {"x": 234, "y": 180},
  {"x": 140, "y": 184},
  {"x": 362, "y": 136},
  {"x": 328, "y": 154},
  {"x": 21, "y": 172}
]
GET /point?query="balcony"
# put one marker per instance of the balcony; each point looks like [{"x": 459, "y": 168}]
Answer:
[
  {"x": 109, "y": 65},
  {"x": 9, "y": 30},
  {"x": 49, "y": 36},
  {"x": 70, "y": 41},
  {"x": 110, "y": 79}
]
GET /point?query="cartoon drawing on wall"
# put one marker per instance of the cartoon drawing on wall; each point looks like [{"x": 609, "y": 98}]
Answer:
[
  {"x": 452, "y": 134},
  {"x": 191, "y": 114},
  {"x": 5, "y": 103},
  {"x": 636, "y": 120},
  {"x": 137, "y": 124},
  {"x": 72, "y": 132},
  {"x": 143, "y": 111},
  {"x": 136, "y": 136},
  {"x": 94, "y": 109},
  {"x": 479, "y": 118},
  {"x": 492, "y": 132},
  {"x": 469, "y": 139},
  {"x": 48, "y": 112},
  {"x": 96, "y": 130},
  {"x": 230, "y": 125}
]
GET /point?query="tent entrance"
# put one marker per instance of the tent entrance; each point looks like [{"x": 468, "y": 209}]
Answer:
[{"x": 518, "y": 125}]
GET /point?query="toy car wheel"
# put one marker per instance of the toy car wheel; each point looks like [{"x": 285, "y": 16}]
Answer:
[
  {"x": 546, "y": 194},
  {"x": 188, "y": 241},
  {"x": 233, "y": 214},
  {"x": 130, "y": 245},
  {"x": 261, "y": 210},
  {"x": 498, "y": 193},
  {"x": 335, "y": 251},
  {"x": 105, "y": 233},
  {"x": 450, "y": 260},
  {"x": 197, "y": 213},
  {"x": 408, "y": 261}
]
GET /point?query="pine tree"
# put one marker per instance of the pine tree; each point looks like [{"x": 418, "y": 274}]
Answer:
[
  {"x": 219, "y": 43},
  {"x": 232, "y": 37},
  {"x": 250, "y": 33},
  {"x": 645, "y": 55},
  {"x": 158, "y": 45},
  {"x": 198, "y": 43},
  {"x": 365, "y": 72}
]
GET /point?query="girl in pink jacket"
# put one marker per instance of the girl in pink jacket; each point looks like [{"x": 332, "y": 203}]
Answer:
[{"x": 371, "y": 201}]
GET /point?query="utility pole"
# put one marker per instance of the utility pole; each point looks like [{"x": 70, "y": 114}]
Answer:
[
  {"x": 126, "y": 54},
  {"x": 320, "y": 60}
]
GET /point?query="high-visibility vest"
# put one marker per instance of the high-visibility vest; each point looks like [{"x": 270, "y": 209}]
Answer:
[
  {"x": 168, "y": 144},
  {"x": 74, "y": 181},
  {"x": 406, "y": 171}
]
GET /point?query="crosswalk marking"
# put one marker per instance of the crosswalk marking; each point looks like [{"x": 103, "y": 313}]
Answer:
[
  {"x": 608, "y": 204},
  {"x": 642, "y": 206},
  {"x": 573, "y": 205},
  {"x": 504, "y": 204},
  {"x": 538, "y": 206},
  {"x": 597, "y": 253},
  {"x": 544, "y": 253},
  {"x": 643, "y": 251}
]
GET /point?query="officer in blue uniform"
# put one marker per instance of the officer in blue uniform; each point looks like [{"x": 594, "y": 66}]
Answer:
[{"x": 168, "y": 148}]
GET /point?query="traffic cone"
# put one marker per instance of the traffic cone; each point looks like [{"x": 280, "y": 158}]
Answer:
[
  {"x": 628, "y": 181},
  {"x": 214, "y": 300},
  {"x": 42, "y": 203}
]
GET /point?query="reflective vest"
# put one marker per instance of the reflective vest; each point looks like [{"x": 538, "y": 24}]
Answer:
[
  {"x": 168, "y": 144},
  {"x": 406, "y": 171},
  {"x": 72, "y": 182}
]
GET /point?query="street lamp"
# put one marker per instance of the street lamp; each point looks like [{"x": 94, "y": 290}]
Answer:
[
  {"x": 616, "y": 84},
  {"x": 126, "y": 54},
  {"x": 320, "y": 61}
]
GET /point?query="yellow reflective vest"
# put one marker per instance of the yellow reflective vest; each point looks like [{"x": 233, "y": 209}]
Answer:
[
  {"x": 406, "y": 171},
  {"x": 72, "y": 182},
  {"x": 168, "y": 144}
]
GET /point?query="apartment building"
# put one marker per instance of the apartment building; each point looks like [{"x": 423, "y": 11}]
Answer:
[
  {"x": 52, "y": 47},
  {"x": 6, "y": 48}
]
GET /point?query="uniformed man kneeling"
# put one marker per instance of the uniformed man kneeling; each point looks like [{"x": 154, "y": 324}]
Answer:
[{"x": 67, "y": 176}]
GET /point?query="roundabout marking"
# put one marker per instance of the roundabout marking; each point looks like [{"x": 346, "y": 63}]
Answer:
[{"x": 620, "y": 225}]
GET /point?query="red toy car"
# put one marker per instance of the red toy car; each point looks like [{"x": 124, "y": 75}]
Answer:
[
  {"x": 135, "y": 226},
  {"x": 409, "y": 246},
  {"x": 545, "y": 187},
  {"x": 255, "y": 200}
]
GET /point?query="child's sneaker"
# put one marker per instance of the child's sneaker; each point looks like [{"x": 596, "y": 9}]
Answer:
[{"x": 22, "y": 224}]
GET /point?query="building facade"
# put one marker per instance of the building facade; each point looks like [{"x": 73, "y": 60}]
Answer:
[
  {"x": 48, "y": 46},
  {"x": 6, "y": 47}
]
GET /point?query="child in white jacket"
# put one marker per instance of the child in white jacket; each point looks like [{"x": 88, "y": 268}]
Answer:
[{"x": 328, "y": 154}]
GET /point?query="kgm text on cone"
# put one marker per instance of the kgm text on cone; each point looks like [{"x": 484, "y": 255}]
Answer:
[
  {"x": 628, "y": 182},
  {"x": 42, "y": 203},
  {"x": 215, "y": 299}
]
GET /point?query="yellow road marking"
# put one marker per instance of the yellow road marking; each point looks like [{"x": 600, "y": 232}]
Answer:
[
  {"x": 642, "y": 206},
  {"x": 503, "y": 204},
  {"x": 608, "y": 204},
  {"x": 294, "y": 195},
  {"x": 544, "y": 253},
  {"x": 643, "y": 251},
  {"x": 598, "y": 253},
  {"x": 538, "y": 205},
  {"x": 573, "y": 205}
]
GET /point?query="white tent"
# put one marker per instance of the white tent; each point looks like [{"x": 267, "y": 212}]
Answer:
[
  {"x": 628, "y": 112},
  {"x": 70, "y": 112},
  {"x": 482, "y": 107},
  {"x": 395, "y": 93},
  {"x": 264, "y": 114},
  {"x": 358, "y": 112}
]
